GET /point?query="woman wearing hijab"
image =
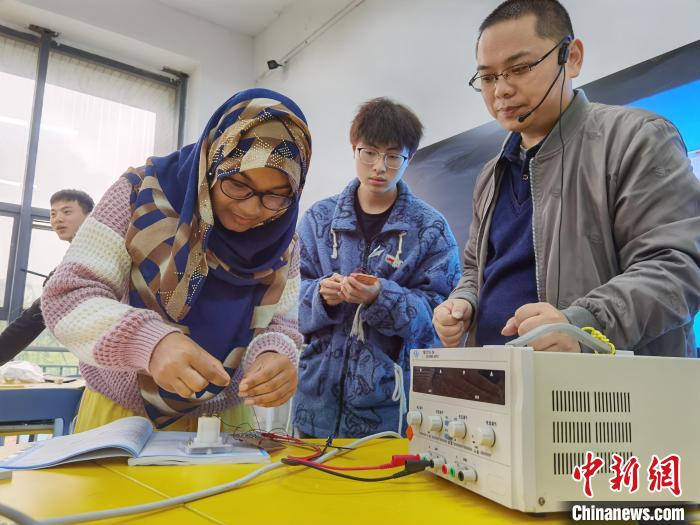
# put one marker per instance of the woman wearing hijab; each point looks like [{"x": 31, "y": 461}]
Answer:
[{"x": 179, "y": 292}]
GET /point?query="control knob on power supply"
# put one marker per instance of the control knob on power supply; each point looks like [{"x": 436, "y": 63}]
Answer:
[
  {"x": 457, "y": 429},
  {"x": 414, "y": 418},
  {"x": 434, "y": 423},
  {"x": 485, "y": 436}
]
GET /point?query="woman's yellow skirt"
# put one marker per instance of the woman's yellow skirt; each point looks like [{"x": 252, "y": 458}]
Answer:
[{"x": 97, "y": 410}]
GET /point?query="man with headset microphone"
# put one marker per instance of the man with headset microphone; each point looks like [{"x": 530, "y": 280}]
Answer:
[{"x": 590, "y": 214}]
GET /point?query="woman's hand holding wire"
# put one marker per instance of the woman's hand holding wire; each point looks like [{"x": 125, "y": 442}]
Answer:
[
  {"x": 181, "y": 366},
  {"x": 271, "y": 381}
]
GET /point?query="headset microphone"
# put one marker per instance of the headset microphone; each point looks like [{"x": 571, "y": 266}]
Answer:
[
  {"x": 562, "y": 59},
  {"x": 522, "y": 117}
]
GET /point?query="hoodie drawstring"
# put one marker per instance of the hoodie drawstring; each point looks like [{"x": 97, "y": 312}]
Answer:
[
  {"x": 358, "y": 331},
  {"x": 334, "y": 255},
  {"x": 397, "y": 258}
]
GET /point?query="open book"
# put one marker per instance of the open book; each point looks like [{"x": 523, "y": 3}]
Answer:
[{"x": 132, "y": 437}]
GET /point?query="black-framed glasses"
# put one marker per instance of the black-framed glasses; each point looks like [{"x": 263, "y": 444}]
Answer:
[
  {"x": 392, "y": 161},
  {"x": 240, "y": 191},
  {"x": 512, "y": 73}
]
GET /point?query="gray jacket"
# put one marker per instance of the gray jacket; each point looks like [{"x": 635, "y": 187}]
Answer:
[{"x": 630, "y": 234}]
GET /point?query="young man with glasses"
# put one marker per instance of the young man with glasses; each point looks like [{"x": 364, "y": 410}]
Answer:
[
  {"x": 588, "y": 216},
  {"x": 375, "y": 261}
]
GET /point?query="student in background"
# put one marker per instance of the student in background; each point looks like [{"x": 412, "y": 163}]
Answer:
[
  {"x": 69, "y": 208},
  {"x": 179, "y": 294},
  {"x": 375, "y": 261},
  {"x": 590, "y": 215}
]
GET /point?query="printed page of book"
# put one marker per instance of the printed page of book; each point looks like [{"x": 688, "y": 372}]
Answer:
[
  {"x": 169, "y": 448},
  {"x": 124, "y": 437}
]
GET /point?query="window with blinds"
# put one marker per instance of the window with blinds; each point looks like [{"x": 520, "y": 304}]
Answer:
[{"x": 98, "y": 118}]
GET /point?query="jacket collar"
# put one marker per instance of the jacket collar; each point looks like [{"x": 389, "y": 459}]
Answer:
[
  {"x": 569, "y": 122},
  {"x": 344, "y": 217}
]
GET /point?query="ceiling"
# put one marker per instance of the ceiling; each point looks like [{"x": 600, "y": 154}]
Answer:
[{"x": 248, "y": 17}]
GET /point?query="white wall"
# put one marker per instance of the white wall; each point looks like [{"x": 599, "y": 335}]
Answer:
[
  {"x": 421, "y": 53},
  {"x": 147, "y": 34}
]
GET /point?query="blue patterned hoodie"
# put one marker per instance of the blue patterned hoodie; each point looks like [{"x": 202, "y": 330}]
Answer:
[{"x": 351, "y": 374}]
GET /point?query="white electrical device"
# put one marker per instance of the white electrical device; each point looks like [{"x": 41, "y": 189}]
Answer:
[
  {"x": 510, "y": 423},
  {"x": 208, "y": 439}
]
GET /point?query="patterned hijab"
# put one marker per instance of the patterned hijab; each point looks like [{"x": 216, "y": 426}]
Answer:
[
  {"x": 174, "y": 239},
  {"x": 173, "y": 217}
]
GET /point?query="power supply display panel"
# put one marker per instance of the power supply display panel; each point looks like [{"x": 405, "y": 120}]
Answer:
[{"x": 485, "y": 386}]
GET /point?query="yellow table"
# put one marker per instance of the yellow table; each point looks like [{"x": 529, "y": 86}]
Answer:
[
  {"x": 86, "y": 487},
  {"x": 293, "y": 495}
]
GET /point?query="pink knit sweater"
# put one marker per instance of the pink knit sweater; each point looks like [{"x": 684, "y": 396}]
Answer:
[{"x": 85, "y": 305}]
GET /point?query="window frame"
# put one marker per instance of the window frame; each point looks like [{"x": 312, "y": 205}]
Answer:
[
  {"x": 11, "y": 211},
  {"x": 24, "y": 214}
]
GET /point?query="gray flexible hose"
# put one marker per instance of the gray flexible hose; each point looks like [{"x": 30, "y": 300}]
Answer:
[
  {"x": 16, "y": 516},
  {"x": 587, "y": 340}
]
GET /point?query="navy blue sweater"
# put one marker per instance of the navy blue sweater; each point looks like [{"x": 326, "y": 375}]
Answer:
[{"x": 509, "y": 276}]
